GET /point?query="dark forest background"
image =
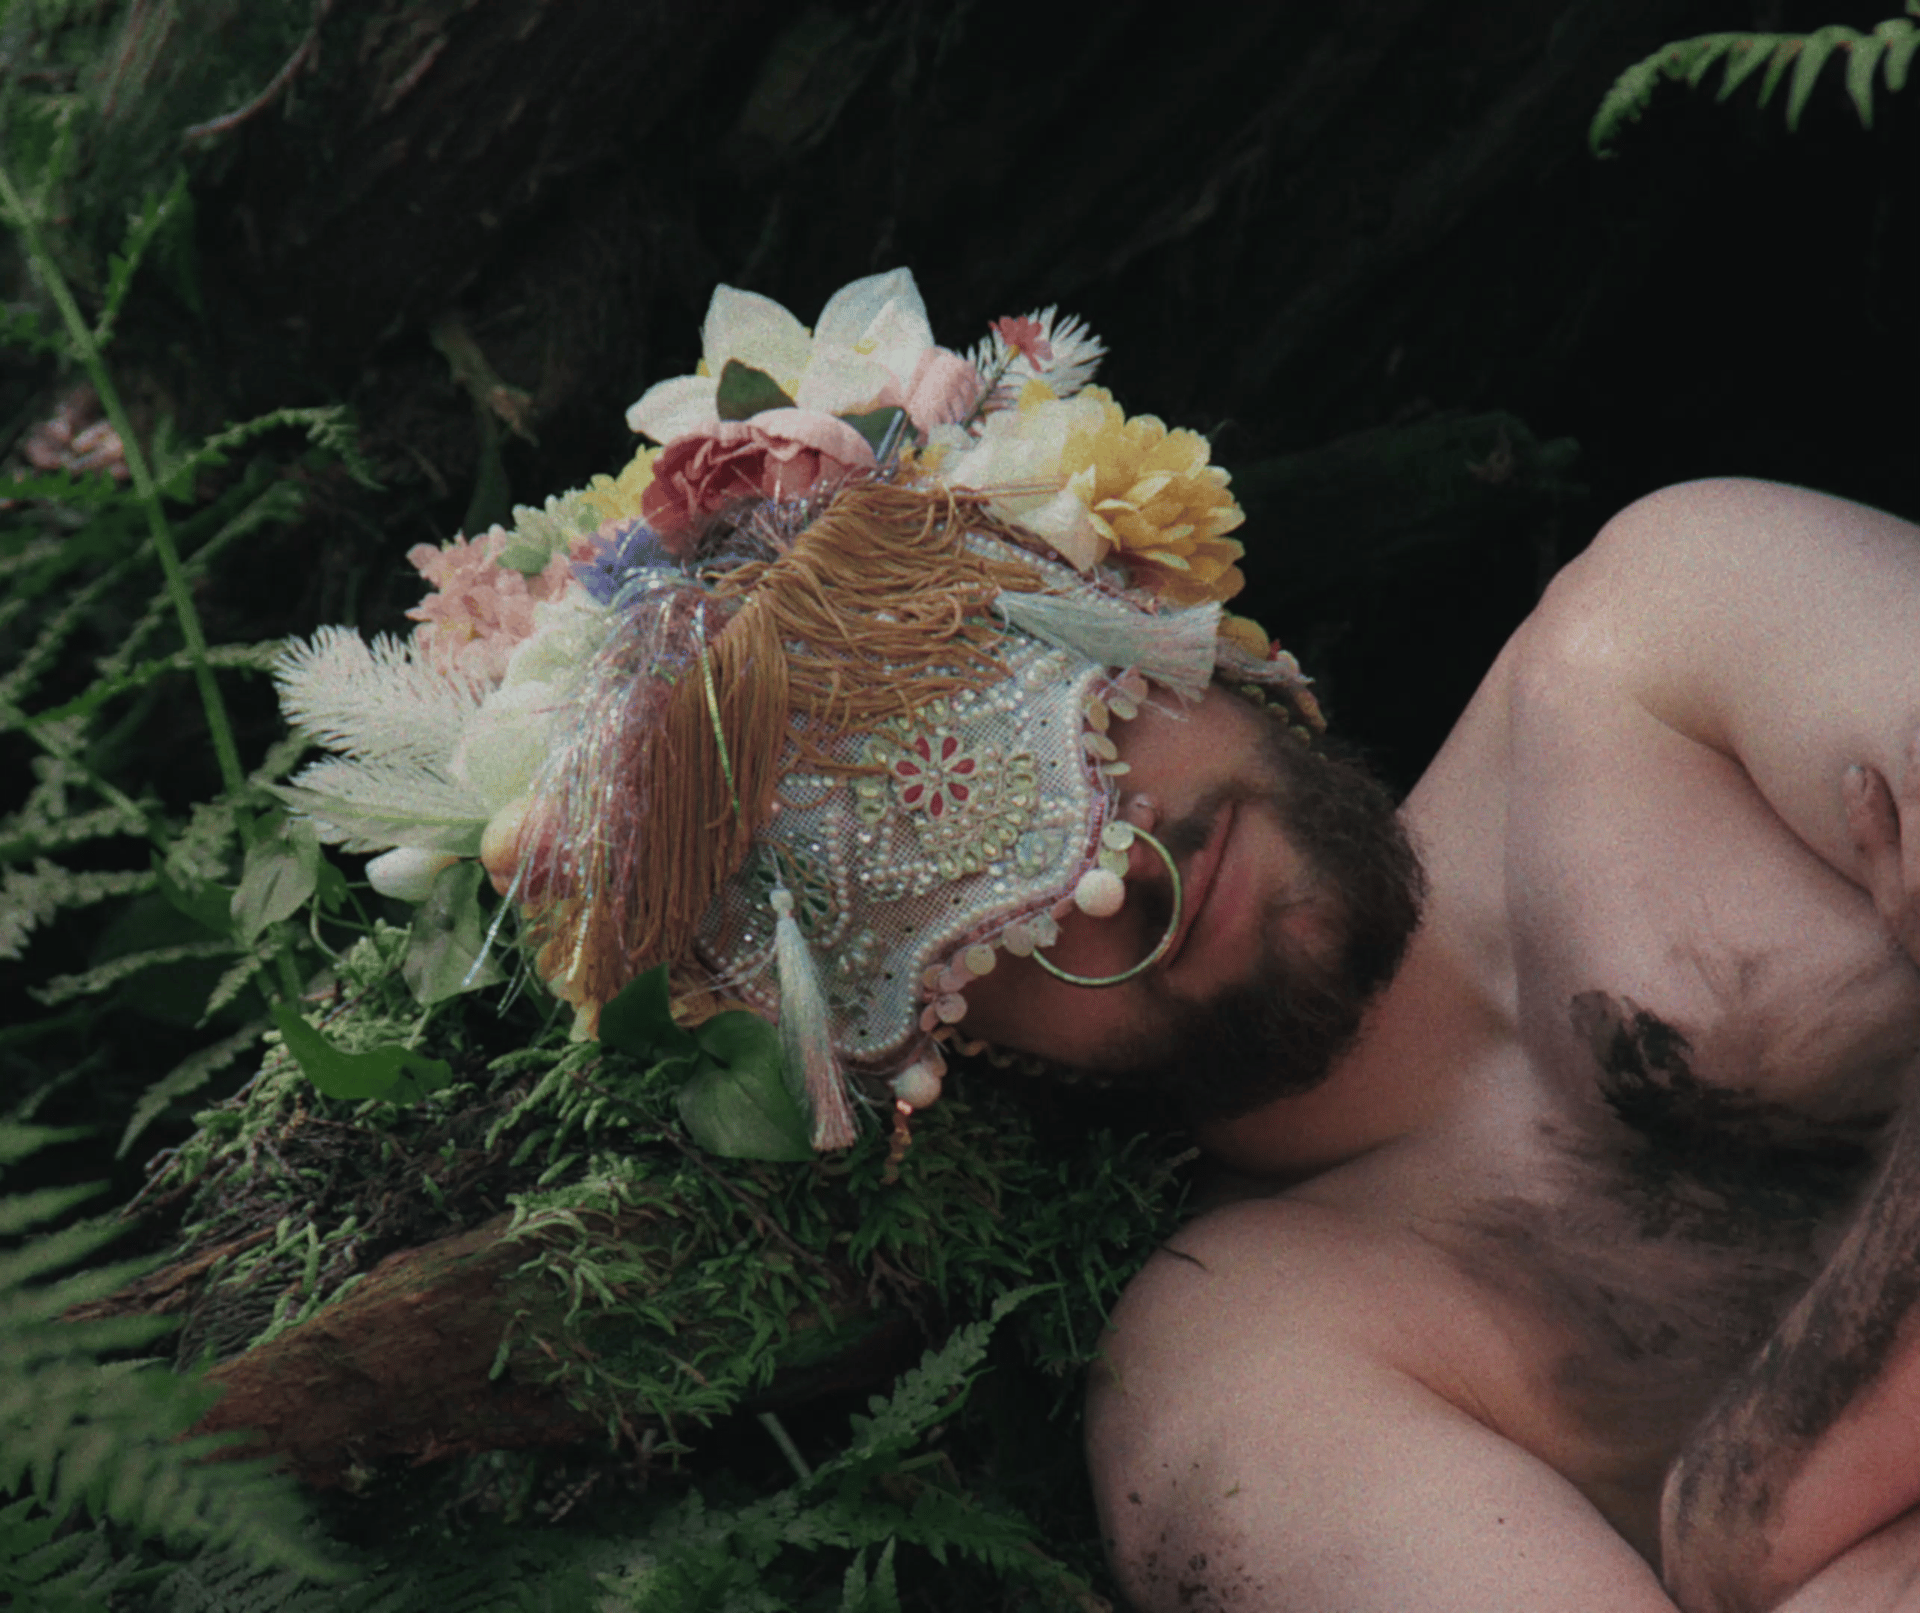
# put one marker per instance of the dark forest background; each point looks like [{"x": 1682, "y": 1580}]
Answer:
[
  {"x": 1320, "y": 231},
  {"x": 1365, "y": 248}
]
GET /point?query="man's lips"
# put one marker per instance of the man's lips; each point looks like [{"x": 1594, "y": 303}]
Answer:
[{"x": 1196, "y": 881}]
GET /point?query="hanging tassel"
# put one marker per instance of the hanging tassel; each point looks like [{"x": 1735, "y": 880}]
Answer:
[
  {"x": 805, "y": 1037},
  {"x": 1174, "y": 648}
]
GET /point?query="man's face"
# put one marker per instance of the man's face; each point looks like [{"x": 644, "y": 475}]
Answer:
[{"x": 1300, "y": 892}]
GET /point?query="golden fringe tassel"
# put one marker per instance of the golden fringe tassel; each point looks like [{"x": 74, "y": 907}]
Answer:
[{"x": 877, "y": 609}]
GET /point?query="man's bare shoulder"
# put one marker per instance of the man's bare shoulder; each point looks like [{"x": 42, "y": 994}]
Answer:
[{"x": 1284, "y": 1419}]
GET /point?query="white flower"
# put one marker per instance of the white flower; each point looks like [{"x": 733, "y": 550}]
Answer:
[
  {"x": 1076, "y": 354},
  {"x": 407, "y": 873},
  {"x": 1017, "y": 462},
  {"x": 869, "y": 341},
  {"x": 507, "y": 741}
]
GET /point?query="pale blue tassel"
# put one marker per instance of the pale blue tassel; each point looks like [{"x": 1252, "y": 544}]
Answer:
[
  {"x": 1174, "y": 648},
  {"x": 806, "y": 1038}
]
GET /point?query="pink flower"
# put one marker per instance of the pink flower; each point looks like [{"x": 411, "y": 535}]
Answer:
[
  {"x": 778, "y": 454},
  {"x": 942, "y": 390},
  {"x": 1025, "y": 337},
  {"x": 480, "y": 612}
]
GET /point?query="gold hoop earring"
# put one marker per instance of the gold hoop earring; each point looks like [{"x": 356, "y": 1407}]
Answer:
[{"x": 1173, "y": 923}]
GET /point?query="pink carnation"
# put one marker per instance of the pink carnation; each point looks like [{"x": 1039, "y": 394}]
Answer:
[
  {"x": 481, "y": 611},
  {"x": 779, "y": 454}
]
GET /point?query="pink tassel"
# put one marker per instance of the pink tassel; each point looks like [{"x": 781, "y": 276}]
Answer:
[{"x": 806, "y": 1037}]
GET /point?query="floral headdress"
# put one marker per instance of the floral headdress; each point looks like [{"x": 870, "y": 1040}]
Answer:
[{"x": 811, "y": 703}]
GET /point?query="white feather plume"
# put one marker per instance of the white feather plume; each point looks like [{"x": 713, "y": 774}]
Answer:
[{"x": 397, "y": 721}]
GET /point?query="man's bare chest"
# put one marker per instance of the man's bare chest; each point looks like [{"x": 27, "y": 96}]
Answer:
[
  {"x": 1669, "y": 931},
  {"x": 1710, "y": 1031}
]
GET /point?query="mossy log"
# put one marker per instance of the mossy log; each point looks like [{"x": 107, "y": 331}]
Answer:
[{"x": 439, "y": 1352}]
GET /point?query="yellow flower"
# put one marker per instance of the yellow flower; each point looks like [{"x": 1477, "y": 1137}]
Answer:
[
  {"x": 1153, "y": 496},
  {"x": 1245, "y": 633},
  {"x": 617, "y": 498}
]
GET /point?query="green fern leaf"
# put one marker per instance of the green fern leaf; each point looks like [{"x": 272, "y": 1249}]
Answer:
[
  {"x": 79, "y": 1433},
  {"x": 64, "y": 988},
  {"x": 1902, "y": 39},
  {"x": 1815, "y": 51},
  {"x": 189, "y": 1075},
  {"x": 1745, "y": 55}
]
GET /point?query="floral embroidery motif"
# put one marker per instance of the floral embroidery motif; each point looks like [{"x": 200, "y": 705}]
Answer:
[
  {"x": 936, "y": 774},
  {"x": 967, "y": 803}
]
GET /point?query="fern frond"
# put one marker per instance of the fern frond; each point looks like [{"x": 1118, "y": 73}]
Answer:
[
  {"x": 1888, "y": 49},
  {"x": 249, "y": 657},
  {"x": 64, "y": 988},
  {"x": 77, "y": 1433},
  {"x": 280, "y": 502},
  {"x": 189, "y": 1075},
  {"x": 29, "y": 897},
  {"x": 68, "y": 1573}
]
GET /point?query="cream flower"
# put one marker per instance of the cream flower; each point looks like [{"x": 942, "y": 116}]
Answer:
[
  {"x": 1094, "y": 485},
  {"x": 1018, "y": 462},
  {"x": 869, "y": 350}
]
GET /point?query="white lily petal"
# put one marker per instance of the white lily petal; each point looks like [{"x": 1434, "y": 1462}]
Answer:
[
  {"x": 853, "y": 308},
  {"x": 670, "y": 409},
  {"x": 757, "y": 331},
  {"x": 897, "y": 337},
  {"x": 840, "y": 381},
  {"x": 1064, "y": 523}
]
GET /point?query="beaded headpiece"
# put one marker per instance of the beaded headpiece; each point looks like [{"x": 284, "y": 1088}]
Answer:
[{"x": 811, "y": 703}]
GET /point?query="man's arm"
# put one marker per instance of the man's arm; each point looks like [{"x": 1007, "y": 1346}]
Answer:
[
  {"x": 1782, "y": 628},
  {"x": 1813, "y": 1447},
  {"x": 1777, "y": 626},
  {"x": 1257, "y": 1445}
]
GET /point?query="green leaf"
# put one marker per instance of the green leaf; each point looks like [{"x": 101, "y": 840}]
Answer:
[
  {"x": 529, "y": 559},
  {"x": 740, "y": 1107},
  {"x": 208, "y": 904},
  {"x": 639, "y": 1023},
  {"x": 881, "y": 1594},
  {"x": 394, "y": 1073},
  {"x": 874, "y": 424},
  {"x": 449, "y": 936},
  {"x": 1778, "y": 62},
  {"x": 1813, "y": 56},
  {"x": 1902, "y": 38},
  {"x": 279, "y": 875},
  {"x": 1746, "y": 55},
  {"x": 744, "y": 392}
]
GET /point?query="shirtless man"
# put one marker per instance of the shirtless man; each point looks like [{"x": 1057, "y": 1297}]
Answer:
[{"x": 1588, "y": 1283}]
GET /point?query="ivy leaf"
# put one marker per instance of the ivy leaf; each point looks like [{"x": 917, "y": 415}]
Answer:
[
  {"x": 394, "y": 1073},
  {"x": 744, "y": 392},
  {"x": 639, "y": 1023},
  {"x": 278, "y": 877},
  {"x": 738, "y": 1105},
  {"x": 449, "y": 934},
  {"x": 874, "y": 424}
]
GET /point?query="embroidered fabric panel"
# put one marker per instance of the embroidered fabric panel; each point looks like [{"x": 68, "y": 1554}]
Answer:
[{"x": 983, "y": 809}]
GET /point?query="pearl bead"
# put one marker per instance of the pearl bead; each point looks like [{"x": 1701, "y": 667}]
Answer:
[
  {"x": 1100, "y": 894},
  {"x": 919, "y": 1083}
]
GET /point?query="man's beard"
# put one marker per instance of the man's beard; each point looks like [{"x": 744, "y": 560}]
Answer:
[{"x": 1281, "y": 1033}]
